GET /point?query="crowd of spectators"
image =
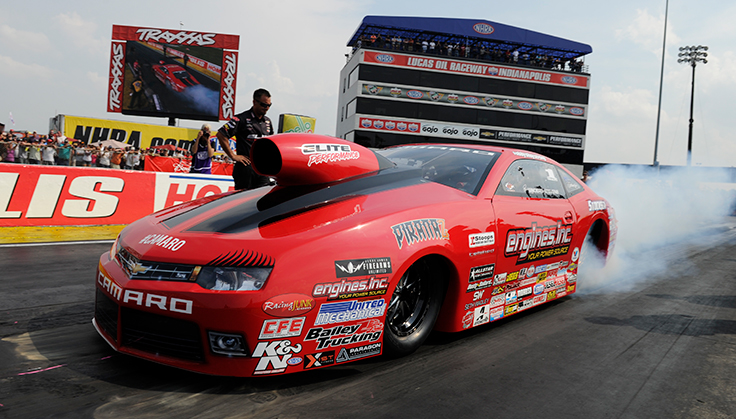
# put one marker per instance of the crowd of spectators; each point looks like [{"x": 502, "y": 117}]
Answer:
[
  {"x": 28, "y": 147},
  {"x": 467, "y": 48}
]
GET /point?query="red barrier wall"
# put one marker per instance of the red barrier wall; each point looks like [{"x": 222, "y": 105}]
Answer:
[{"x": 32, "y": 195}]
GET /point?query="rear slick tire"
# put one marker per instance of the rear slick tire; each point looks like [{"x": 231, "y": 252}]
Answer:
[{"x": 413, "y": 309}]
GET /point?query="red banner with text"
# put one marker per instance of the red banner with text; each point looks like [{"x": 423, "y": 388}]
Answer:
[{"x": 32, "y": 195}]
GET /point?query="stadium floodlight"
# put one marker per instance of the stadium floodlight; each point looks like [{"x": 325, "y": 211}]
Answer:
[{"x": 692, "y": 55}]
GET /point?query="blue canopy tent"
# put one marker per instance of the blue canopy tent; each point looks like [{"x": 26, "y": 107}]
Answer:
[{"x": 493, "y": 34}]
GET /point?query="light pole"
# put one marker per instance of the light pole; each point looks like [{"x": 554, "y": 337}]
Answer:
[{"x": 692, "y": 55}]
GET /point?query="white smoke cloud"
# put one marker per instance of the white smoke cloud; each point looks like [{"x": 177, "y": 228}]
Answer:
[{"x": 660, "y": 214}]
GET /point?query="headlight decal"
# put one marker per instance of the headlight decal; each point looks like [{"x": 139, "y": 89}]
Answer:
[{"x": 243, "y": 258}]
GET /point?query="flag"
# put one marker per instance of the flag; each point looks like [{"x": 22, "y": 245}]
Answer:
[{"x": 11, "y": 118}]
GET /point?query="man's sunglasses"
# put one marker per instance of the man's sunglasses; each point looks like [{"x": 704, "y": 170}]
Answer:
[{"x": 264, "y": 105}]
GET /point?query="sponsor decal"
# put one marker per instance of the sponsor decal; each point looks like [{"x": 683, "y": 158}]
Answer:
[
  {"x": 539, "y": 299},
  {"x": 366, "y": 123},
  {"x": 536, "y": 243},
  {"x": 281, "y": 328},
  {"x": 524, "y": 292},
  {"x": 513, "y": 276},
  {"x": 478, "y": 295},
  {"x": 499, "y": 279},
  {"x": 482, "y": 315},
  {"x": 512, "y": 286},
  {"x": 480, "y": 273},
  {"x": 414, "y": 94},
  {"x": 570, "y": 288},
  {"x": 453, "y": 98},
  {"x": 345, "y": 335},
  {"x": 499, "y": 290},
  {"x": 181, "y": 38},
  {"x": 328, "y": 153},
  {"x": 395, "y": 92},
  {"x": 481, "y": 239},
  {"x": 572, "y": 278},
  {"x": 385, "y": 58},
  {"x": 527, "y": 282},
  {"x": 116, "y": 77},
  {"x": 274, "y": 356},
  {"x": 511, "y": 309},
  {"x": 496, "y": 313},
  {"x": 346, "y": 311},
  {"x": 507, "y": 103},
  {"x": 529, "y": 155},
  {"x": 479, "y": 285},
  {"x": 569, "y": 80},
  {"x": 468, "y": 320},
  {"x": 560, "y": 109},
  {"x": 475, "y": 304},
  {"x": 576, "y": 111},
  {"x": 574, "y": 258},
  {"x": 228, "y": 85},
  {"x": 552, "y": 295},
  {"x": 526, "y": 304},
  {"x": 401, "y": 126},
  {"x": 144, "y": 299},
  {"x": 542, "y": 276},
  {"x": 538, "y": 289},
  {"x": 162, "y": 240},
  {"x": 288, "y": 305},
  {"x": 351, "y": 354},
  {"x": 349, "y": 289},
  {"x": 525, "y": 106},
  {"x": 511, "y": 297},
  {"x": 492, "y": 71},
  {"x": 373, "y": 89},
  {"x": 481, "y": 252},
  {"x": 471, "y": 100},
  {"x": 490, "y": 101},
  {"x": 543, "y": 107},
  {"x": 594, "y": 206},
  {"x": 320, "y": 359},
  {"x": 294, "y": 361},
  {"x": 362, "y": 267},
  {"x": 498, "y": 300},
  {"x": 390, "y": 125},
  {"x": 435, "y": 96},
  {"x": 413, "y": 127},
  {"x": 415, "y": 231},
  {"x": 483, "y": 28}
]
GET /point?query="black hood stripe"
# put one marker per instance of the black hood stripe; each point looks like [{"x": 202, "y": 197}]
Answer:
[{"x": 285, "y": 202}]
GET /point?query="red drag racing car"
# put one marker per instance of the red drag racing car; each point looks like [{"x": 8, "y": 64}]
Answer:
[
  {"x": 353, "y": 253},
  {"x": 174, "y": 76}
]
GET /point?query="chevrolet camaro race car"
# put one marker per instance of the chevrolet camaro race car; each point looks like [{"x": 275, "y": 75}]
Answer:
[
  {"x": 174, "y": 76},
  {"x": 353, "y": 253}
]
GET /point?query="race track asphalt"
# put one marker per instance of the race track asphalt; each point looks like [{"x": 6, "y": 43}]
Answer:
[{"x": 664, "y": 347}]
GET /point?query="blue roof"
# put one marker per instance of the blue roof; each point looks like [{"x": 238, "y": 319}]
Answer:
[{"x": 442, "y": 29}]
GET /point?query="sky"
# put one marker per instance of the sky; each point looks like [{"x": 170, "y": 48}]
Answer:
[{"x": 54, "y": 59}]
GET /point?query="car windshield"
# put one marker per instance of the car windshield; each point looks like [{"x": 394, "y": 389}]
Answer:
[{"x": 457, "y": 167}]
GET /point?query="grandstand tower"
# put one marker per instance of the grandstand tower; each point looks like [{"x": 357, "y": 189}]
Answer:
[{"x": 474, "y": 81}]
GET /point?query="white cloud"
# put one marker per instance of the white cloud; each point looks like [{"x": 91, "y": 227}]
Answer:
[
  {"x": 646, "y": 30},
  {"x": 80, "y": 32},
  {"x": 16, "y": 39},
  {"x": 12, "y": 69}
]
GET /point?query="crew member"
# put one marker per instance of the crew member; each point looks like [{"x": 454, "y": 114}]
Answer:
[{"x": 246, "y": 127}]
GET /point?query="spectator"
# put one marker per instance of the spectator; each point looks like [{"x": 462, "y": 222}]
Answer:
[
  {"x": 64, "y": 153},
  {"x": 48, "y": 153},
  {"x": 34, "y": 152},
  {"x": 116, "y": 158},
  {"x": 203, "y": 152},
  {"x": 103, "y": 158}
]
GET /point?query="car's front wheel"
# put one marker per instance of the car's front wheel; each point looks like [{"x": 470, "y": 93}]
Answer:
[{"x": 413, "y": 308}]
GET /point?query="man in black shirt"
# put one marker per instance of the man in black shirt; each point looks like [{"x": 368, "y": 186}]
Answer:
[{"x": 246, "y": 127}]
